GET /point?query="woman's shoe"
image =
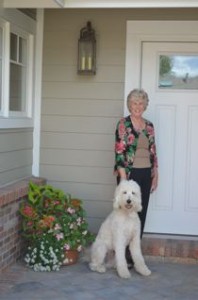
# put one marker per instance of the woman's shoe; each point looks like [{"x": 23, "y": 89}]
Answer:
[{"x": 130, "y": 262}]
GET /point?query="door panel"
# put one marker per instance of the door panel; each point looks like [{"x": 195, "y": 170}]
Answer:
[{"x": 173, "y": 207}]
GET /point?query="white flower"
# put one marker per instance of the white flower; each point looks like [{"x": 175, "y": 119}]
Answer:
[
  {"x": 27, "y": 259},
  {"x": 71, "y": 210},
  {"x": 79, "y": 248},
  {"x": 66, "y": 261},
  {"x": 59, "y": 236},
  {"x": 57, "y": 226},
  {"x": 67, "y": 247}
]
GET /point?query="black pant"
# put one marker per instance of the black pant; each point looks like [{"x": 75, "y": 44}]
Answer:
[{"x": 143, "y": 178}]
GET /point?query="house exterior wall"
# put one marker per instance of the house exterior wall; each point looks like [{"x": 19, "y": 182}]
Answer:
[
  {"x": 16, "y": 132},
  {"x": 79, "y": 113},
  {"x": 15, "y": 154}
]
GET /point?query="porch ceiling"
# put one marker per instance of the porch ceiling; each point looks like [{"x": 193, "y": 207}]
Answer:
[{"x": 98, "y": 3}]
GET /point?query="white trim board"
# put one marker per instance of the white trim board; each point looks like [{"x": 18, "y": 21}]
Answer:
[
  {"x": 37, "y": 96},
  {"x": 99, "y": 4}
]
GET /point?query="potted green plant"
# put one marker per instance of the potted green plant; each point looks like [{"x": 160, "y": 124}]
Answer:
[{"x": 52, "y": 224}]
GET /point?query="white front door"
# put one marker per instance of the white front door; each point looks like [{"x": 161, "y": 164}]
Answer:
[{"x": 173, "y": 108}]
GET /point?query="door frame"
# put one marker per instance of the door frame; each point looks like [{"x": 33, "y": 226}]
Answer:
[
  {"x": 151, "y": 31},
  {"x": 141, "y": 32}
]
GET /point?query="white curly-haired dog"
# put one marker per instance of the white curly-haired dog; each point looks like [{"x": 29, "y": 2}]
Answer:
[{"x": 121, "y": 228}]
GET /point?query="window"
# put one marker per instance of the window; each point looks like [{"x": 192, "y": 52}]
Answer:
[
  {"x": 178, "y": 71},
  {"x": 18, "y": 73},
  {"x": 16, "y": 76}
]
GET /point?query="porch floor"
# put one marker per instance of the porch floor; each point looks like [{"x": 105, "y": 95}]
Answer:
[
  {"x": 76, "y": 282},
  {"x": 174, "y": 276}
]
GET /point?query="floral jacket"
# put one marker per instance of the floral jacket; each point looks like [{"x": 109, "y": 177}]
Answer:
[{"x": 126, "y": 140}]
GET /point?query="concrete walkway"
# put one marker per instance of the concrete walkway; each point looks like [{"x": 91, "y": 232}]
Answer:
[{"x": 76, "y": 282}]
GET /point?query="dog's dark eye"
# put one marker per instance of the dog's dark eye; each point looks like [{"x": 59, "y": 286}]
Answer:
[
  {"x": 133, "y": 193},
  {"x": 125, "y": 192}
]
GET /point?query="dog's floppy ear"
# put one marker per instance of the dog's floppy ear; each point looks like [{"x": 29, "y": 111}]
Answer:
[
  {"x": 118, "y": 194},
  {"x": 138, "y": 206},
  {"x": 116, "y": 199},
  {"x": 138, "y": 203}
]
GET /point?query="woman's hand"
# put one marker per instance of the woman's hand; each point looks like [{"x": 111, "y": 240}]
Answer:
[
  {"x": 154, "y": 181},
  {"x": 122, "y": 174}
]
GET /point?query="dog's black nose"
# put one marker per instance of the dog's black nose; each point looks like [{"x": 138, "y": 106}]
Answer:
[{"x": 128, "y": 201}]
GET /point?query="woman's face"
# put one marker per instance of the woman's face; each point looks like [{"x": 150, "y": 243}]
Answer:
[{"x": 137, "y": 107}]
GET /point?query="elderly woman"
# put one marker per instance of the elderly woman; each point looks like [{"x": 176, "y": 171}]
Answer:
[{"x": 135, "y": 150}]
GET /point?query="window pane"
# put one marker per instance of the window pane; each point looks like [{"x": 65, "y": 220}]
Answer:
[
  {"x": 1, "y": 34},
  {"x": 17, "y": 87},
  {"x": 178, "y": 72},
  {"x": 13, "y": 47},
  {"x": 22, "y": 50}
]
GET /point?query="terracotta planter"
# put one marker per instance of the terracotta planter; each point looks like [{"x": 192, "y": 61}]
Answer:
[{"x": 71, "y": 257}]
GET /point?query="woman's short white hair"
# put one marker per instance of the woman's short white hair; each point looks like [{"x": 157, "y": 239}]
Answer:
[{"x": 137, "y": 95}]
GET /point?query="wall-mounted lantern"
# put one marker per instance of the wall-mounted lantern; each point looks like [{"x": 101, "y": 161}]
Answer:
[{"x": 87, "y": 51}]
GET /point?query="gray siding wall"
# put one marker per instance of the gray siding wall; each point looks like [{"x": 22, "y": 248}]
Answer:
[
  {"x": 15, "y": 155},
  {"x": 79, "y": 113}
]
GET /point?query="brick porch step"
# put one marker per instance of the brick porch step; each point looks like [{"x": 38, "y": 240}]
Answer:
[{"x": 172, "y": 248}]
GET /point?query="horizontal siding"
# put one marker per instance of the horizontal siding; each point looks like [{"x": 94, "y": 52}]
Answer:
[
  {"x": 82, "y": 107},
  {"x": 12, "y": 140},
  {"x": 98, "y": 209},
  {"x": 77, "y": 141},
  {"x": 13, "y": 175},
  {"x": 79, "y": 113},
  {"x": 63, "y": 72},
  {"x": 83, "y": 90},
  {"x": 95, "y": 223},
  {"x": 82, "y": 174},
  {"x": 86, "y": 191},
  {"x": 15, "y": 155},
  {"x": 15, "y": 159},
  {"x": 70, "y": 124},
  {"x": 78, "y": 158}
]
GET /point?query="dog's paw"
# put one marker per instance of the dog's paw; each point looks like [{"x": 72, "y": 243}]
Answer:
[
  {"x": 146, "y": 272},
  {"x": 125, "y": 274},
  {"x": 97, "y": 268},
  {"x": 143, "y": 270}
]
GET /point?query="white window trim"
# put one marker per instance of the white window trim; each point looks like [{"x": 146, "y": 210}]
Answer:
[
  {"x": 10, "y": 119},
  {"x": 5, "y": 71}
]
